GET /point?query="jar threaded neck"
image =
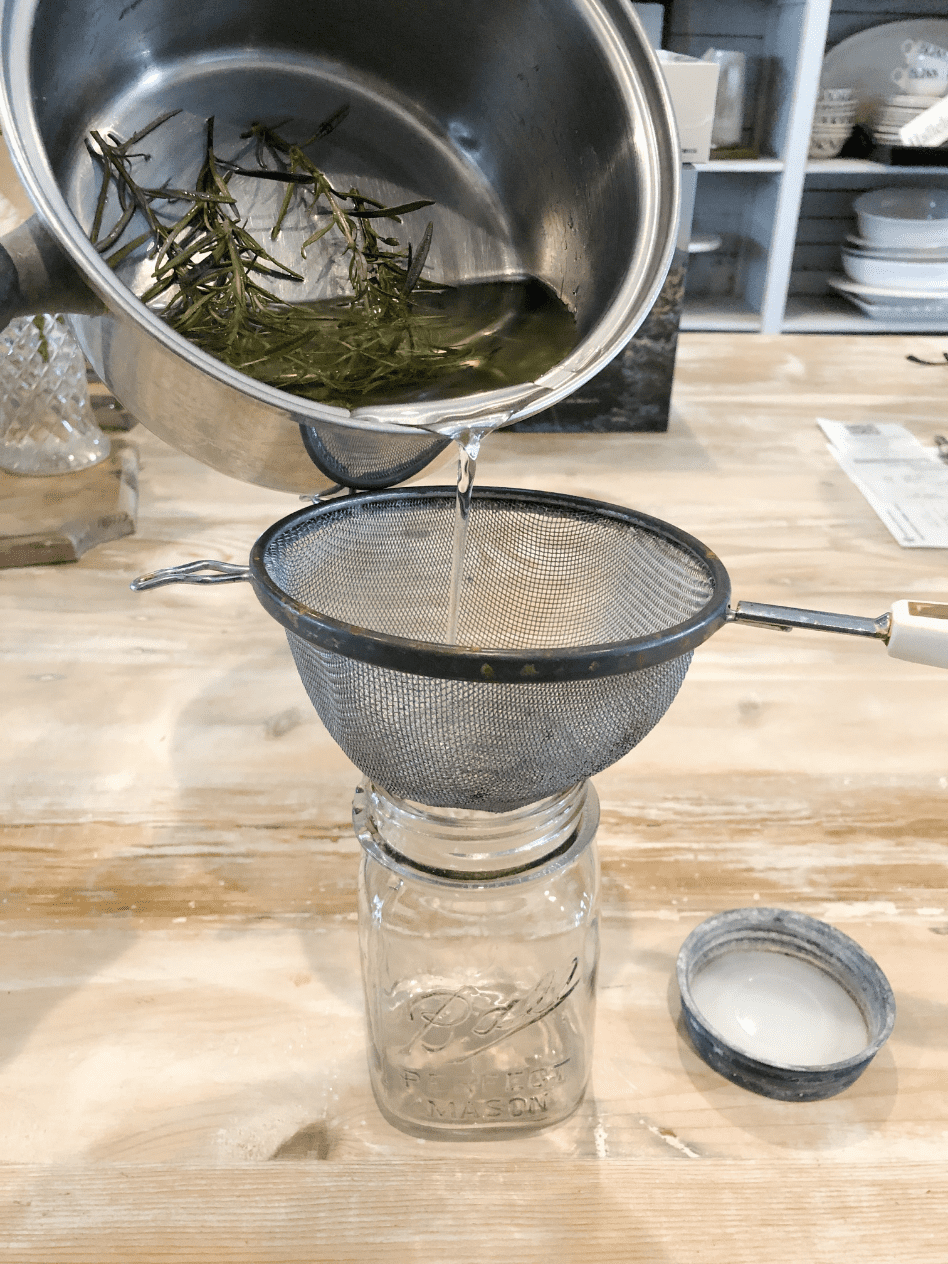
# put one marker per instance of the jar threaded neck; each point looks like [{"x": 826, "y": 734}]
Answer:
[{"x": 466, "y": 841}]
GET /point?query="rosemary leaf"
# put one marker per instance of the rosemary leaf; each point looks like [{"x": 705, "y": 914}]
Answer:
[{"x": 114, "y": 260}]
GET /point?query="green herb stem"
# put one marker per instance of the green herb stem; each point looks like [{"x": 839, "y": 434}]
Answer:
[{"x": 208, "y": 269}]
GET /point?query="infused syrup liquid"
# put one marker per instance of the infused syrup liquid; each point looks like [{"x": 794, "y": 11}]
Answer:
[
  {"x": 495, "y": 334},
  {"x": 468, "y": 447},
  {"x": 511, "y": 332}
]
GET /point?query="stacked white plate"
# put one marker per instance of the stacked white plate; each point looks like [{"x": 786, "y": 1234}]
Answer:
[
  {"x": 833, "y": 121},
  {"x": 893, "y": 113},
  {"x": 893, "y": 305},
  {"x": 922, "y": 270},
  {"x": 897, "y": 267},
  {"x": 895, "y": 282}
]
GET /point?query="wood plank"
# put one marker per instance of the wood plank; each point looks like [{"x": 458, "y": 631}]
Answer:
[
  {"x": 214, "y": 1040},
  {"x": 323, "y": 1213}
]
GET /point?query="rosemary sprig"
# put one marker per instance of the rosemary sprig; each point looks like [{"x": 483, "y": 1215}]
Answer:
[{"x": 209, "y": 271}]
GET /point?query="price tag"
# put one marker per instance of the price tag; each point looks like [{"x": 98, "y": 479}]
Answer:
[{"x": 928, "y": 129}]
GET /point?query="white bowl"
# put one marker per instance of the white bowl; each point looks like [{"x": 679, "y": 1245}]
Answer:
[
  {"x": 896, "y": 115},
  {"x": 896, "y": 274},
  {"x": 835, "y": 109},
  {"x": 903, "y": 217},
  {"x": 908, "y": 100},
  {"x": 835, "y": 95},
  {"x": 920, "y": 253},
  {"x": 834, "y": 120},
  {"x": 826, "y": 146}
]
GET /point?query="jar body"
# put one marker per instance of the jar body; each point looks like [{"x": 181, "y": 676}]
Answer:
[{"x": 480, "y": 991}]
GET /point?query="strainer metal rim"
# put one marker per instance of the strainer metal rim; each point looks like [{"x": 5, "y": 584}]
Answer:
[{"x": 507, "y": 666}]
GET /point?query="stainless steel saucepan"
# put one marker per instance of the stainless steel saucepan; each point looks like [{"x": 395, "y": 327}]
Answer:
[{"x": 541, "y": 128}]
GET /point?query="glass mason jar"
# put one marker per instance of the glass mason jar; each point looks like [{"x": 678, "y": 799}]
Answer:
[{"x": 480, "y": 941}]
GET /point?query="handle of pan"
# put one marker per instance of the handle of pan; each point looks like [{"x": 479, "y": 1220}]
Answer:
[
  {"x": 916, "y": 631},
  {"x": 36, "y": 276},
  {"x": 206, "y": 571}
]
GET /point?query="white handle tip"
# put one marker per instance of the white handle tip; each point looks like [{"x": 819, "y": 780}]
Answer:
[{"x": 919, "y": 632}]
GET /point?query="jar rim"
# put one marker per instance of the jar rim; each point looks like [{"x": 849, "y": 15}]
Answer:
[{"x": 562, "y": 853}]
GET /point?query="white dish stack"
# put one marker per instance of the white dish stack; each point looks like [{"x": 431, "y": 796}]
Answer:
[
  {"x": 891, "y": 116},
  {"x": 897, "y": 266},
  {"x": 833, "y": 121}
]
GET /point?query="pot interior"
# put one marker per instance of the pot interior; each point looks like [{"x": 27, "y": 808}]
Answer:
[{"x": 511, "y": 117}]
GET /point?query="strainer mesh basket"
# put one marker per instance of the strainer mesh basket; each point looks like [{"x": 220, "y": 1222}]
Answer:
[
  {"x": 576, "y": 626},
  {"x": 361, "y": 458}
]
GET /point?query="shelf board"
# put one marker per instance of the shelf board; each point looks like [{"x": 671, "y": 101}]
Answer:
[
  {"x": 718, "y": 315},
  {"x": 754, "y": 166},
  {"x": 829, "y": 314},
  {"x": 865, "y": 166}
]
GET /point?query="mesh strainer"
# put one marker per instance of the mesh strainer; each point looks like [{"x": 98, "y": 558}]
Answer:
[
  {"x": 365, "y": 459},
  {"x": 576, "y": 627}
]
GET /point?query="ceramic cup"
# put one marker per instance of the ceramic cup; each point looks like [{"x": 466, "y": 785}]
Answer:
[
  {"x": 922, "y": 78},
  {"x": 919, "y": 50}
]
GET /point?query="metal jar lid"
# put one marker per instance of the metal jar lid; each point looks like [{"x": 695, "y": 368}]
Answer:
[{"x": 781, "y": 1003}]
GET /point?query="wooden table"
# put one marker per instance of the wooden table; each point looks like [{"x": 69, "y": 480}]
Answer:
[{"x": 182, "y": 1064}]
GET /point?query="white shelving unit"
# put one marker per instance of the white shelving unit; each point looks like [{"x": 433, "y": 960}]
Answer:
[{"x": 783, "y": 218}]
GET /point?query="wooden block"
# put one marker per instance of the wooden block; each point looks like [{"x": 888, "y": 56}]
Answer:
[{"x": 57, "y": 519}]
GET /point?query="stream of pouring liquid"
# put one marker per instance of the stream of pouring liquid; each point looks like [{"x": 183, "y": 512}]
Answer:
[
  {"x": 510, "y": 331},
  {"x": 469, "y": 445}
]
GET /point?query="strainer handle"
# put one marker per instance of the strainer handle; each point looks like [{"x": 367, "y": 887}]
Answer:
[
  {"x": 916, "y": 631},
  {"x": 919, "y": 632},
  {"x": 786, "y": 617},
  {"x": 206, "y": 571}
]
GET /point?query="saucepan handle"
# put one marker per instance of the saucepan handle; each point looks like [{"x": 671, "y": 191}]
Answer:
[
  {"x": 206, "y": 571},
  {"x": 37, "y": 276},
  {"x": 916, "y": 631}
]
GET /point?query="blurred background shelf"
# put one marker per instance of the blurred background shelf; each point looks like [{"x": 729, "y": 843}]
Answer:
[
  {"x": 721, "y": 314},
  {"x": 828, "y": 313},
  {"x": 864, "y": 166},
  {"x": 722, "y": 166},
  {"x": 782, "y": 217}
]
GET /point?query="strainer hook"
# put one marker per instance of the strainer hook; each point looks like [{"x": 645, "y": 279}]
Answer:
[{"x": 205, "y": 571}]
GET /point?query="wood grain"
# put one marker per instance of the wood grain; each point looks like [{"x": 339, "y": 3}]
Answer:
[
  {"x": 340, "y": 1213},
  {"x": 182, "y": 1062}
]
